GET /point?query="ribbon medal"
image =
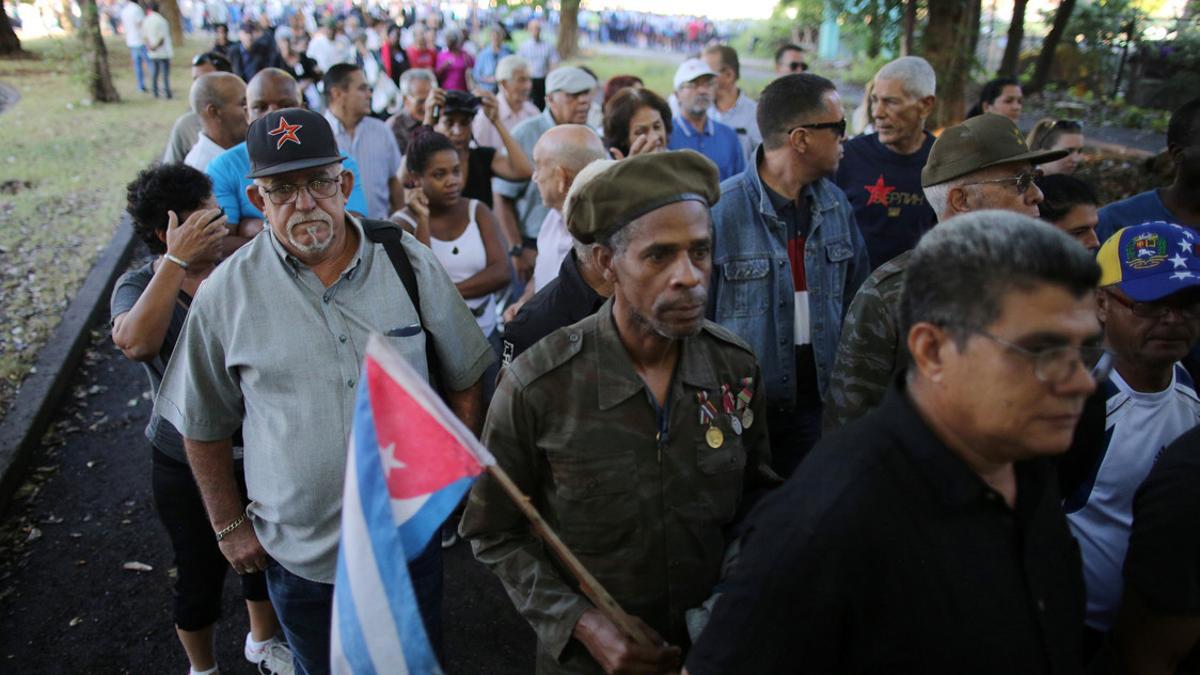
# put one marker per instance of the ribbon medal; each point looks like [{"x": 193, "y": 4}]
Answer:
[
  {"x": 708, "y": 413},
  {"x": 743, "y": 402},
  {"x": 727, "y": 404}
]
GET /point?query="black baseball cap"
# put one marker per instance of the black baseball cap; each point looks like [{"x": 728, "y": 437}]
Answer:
[
  {"x": 289, "y": 140},
  {"x": 460, "y": 102}
]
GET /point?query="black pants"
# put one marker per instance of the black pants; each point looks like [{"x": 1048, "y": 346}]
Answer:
[
  {"x": 538, "y": 94},
  {"x": 199, "y": 564}
]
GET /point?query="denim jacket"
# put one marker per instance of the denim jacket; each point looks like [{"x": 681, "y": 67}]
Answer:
[{"x": 752, "y": 292}]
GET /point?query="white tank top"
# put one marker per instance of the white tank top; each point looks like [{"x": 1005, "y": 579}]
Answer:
[{"x": 463, "y": 258}]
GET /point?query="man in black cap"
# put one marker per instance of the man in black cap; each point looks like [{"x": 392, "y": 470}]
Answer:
[
  {"x": 280, "y": 358},
  {"x": 636, "y": 431}
]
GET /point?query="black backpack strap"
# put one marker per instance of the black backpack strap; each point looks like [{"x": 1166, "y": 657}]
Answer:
[{"x": 391, "y": 236}]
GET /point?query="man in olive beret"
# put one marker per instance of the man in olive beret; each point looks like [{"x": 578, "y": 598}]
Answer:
[{"x": 636, "y": 432}]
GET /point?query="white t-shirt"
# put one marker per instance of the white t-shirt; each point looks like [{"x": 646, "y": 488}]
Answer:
[
  {"x": 553, "y": 245},
  {"x": 203, "y": 152},
  {"x": 1137, "y": 427},
  {"x": 328, "y": 53},
  {"x": 154, "y": 29},
  {"x": 132, "y": 16}
]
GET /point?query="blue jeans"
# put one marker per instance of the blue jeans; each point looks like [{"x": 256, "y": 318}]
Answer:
[
  {"x": 162, "y": 67},
  {"x": 305, "y": 608},
  {"x": 140, "y": 59}
]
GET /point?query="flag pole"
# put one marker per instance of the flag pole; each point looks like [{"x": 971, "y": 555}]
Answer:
[{"x": 587, "y": 583}]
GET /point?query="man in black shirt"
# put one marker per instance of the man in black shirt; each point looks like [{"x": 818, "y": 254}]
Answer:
[
  {"x": 926, "y": 537},
  {"x": 575, "y": 294},
  {"x": 1158, "y": 627}
]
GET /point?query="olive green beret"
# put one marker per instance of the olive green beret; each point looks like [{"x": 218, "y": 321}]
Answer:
[{"x": 607, "y": 196}]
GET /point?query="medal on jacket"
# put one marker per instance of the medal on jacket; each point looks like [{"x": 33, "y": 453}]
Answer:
[
  {"x": 708, "y": 414},
  {"x": 743, "y": 402},
  {"x": 727, "y": 404}
]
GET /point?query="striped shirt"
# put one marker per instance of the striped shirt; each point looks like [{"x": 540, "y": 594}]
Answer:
[{"x": 542, "y": 56}]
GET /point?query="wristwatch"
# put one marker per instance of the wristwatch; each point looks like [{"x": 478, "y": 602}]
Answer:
[{"x": 515, "y": 250}]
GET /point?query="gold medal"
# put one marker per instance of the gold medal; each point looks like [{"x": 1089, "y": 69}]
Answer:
[
  {"x": 714, "y": 437},
  {"x": 747, "y": 418}
]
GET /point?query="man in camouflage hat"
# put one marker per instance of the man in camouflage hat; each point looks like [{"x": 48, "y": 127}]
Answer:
[
  {"x": 636, "y": 432},
  {"x": 980, "y": 164}
]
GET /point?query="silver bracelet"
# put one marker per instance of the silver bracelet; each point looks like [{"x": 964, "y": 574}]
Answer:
[
  {"x": 176, "y": 260},
  {"x": 224, "y": 532}
]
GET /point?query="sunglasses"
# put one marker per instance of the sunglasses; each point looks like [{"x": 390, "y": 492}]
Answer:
[
  {"x": 838, "y": 127},
  {"x": 1023, "y": 180},
  {"x": 1069, "y": 125},
  {"x": 795, "y": 66},
  {"x": 1188, "y": 306}
]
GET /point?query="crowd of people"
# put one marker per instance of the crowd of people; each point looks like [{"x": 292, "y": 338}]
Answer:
[{"x": 893, "y": 403}]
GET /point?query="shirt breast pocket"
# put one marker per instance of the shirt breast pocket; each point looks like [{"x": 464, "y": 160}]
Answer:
[
  {"x": 745, "y": 288},
  {"x": 594, "y": 498},
  {"x": 838, "y": 251},
  {"x": 721, "y": 471}
]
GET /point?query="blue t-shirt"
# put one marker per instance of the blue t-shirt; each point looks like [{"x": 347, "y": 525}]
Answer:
[
  {"x": 884, "y": 187},
  {"x": 228, "y": 174},
  {"x": 1138, "y": 209},
  {"x": 717, "y": 142}
]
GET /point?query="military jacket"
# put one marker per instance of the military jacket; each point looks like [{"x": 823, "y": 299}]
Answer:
[
  {"x": 871, "y": 349},
  {"x": 644, "y": 506}
]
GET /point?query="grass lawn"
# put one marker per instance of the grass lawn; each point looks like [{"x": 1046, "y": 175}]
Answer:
[{"x": 68, "y": 161}]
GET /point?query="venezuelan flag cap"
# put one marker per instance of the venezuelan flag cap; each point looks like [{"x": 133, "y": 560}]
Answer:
[{"x": 1150, "y": 261}]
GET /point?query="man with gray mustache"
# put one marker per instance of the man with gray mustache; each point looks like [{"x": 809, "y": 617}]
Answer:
[{"x": 274, "y": 344}]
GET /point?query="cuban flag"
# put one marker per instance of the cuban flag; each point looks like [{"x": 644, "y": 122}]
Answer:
[{"x": 409, "y": 463}]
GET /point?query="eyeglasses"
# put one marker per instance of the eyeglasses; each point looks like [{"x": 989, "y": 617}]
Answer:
[
  {"x": 797, "y": 66},
  {"x": 1023, "y": 180},
  {"x": 1187, "y": 307},
  {"x": 319, "y": 188},
  {"x": 1054, "y": 365},
  {"x": 839, "y": 127}
]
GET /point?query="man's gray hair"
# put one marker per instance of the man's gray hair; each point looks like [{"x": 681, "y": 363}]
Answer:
[
  {"x": 915, "y": 72},
  {"x": 510, "y": 65},
  {"x": 206, "y": 91},
  {"x": 407, "y": 78},
  {"x": 938, "y": 195},
  {"x": 961, "y": 271}
]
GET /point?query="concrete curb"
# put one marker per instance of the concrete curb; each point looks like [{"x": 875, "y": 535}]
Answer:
[{"x": 37, "y": 399}]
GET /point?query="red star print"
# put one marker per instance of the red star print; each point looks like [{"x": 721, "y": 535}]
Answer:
[
  {"x": 879, "y": 192},
  {"x": 287, "y": 132}
]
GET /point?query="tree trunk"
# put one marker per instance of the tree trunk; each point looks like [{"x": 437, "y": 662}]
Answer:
[
  {"x": 952, "y": 27},
  {"x": 170, "y": 11},
  {"x": 909, "y": 27},
  {"x": 1041, "y": 71},
  {"x": 95, "y": 56},
  {"x": 1016, "y": 35},
  {"x": 876, "y": 18},
  {"x": 568, "y": 29},
  {"x": 10, "y": 44}
]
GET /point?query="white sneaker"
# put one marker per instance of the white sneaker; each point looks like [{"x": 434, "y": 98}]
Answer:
[{"x": 273, "y": 658}]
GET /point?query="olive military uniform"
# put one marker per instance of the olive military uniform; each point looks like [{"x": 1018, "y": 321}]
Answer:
[
  {"x": 638, "y": 493},
  {"x": 871, "y": 349}
]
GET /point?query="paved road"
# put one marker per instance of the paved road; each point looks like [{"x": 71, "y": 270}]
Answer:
[{"x": 66, "y": 604}]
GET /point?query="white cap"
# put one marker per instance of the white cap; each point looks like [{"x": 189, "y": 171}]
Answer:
[
  {"x": 690, "y": 70},
  {"x": 569, "y": 79}
]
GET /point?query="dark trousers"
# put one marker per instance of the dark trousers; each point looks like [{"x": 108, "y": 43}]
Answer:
[
  {"x": 199, "y": 564},
  {"x": 538, "y": 95},
  {"x": 793, "y": 432},
  {"x": 305, "y": 608},
  {"x": 162, "y": 67}
]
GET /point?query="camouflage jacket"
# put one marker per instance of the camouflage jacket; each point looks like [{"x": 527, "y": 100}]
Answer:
[
  {"x": 871, "y": 349},
  {"x": 575, "y": 427}
]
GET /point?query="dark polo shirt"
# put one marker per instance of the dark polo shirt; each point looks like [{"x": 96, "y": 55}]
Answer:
[
  {"x": 564, "y": 301},
  {"x": 885, "y": 553}
]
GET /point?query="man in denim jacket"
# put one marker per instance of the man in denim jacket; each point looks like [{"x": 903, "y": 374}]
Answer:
[{"x": 788, "y": 257}]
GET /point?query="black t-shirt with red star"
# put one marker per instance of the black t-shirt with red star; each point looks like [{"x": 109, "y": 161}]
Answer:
[{"x": 884, "y": 188}]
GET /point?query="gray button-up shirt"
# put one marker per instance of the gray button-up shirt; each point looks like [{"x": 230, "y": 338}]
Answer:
[
  {"x": 743, "y": 118},
  {"x": 530, "y": 209},
  {"x": 268, "y": 347},
  {"x": 374, "y": 147}
]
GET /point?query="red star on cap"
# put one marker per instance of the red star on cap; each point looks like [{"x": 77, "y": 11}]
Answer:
[
  {"x": 879, "y": 192},
  {"x": 287, "y": 132}
]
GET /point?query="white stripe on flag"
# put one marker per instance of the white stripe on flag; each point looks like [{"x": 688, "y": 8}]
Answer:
[
  {"x": 403, "y": 509},
  {"x": 370, "y": 596}
]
